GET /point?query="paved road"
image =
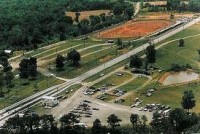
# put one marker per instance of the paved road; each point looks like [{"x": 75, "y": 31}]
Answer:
[{"x": 60, "y": 88}]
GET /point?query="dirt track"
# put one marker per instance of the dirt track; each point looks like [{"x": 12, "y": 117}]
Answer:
[{"x": 134, "y": 29}]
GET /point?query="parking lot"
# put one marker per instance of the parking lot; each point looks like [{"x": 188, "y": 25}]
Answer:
[{"x": 88, "y": 109}]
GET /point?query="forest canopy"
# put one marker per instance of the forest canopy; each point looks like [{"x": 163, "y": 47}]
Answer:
[{"x": 26, "y": 23}]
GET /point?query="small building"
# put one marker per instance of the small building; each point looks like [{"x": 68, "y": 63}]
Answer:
[
  {"x": 8, "y": 52},
  {"x": 110, "y": 41},
  {"x": 49, "y": 101}
]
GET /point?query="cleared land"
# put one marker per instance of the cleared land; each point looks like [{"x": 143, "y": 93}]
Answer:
[
  {"x": 87, "y": 14},
  {"x": 157, "y": 3},
  {"x": 162, "y": 15},
  {"x": 134, "y": 29}
]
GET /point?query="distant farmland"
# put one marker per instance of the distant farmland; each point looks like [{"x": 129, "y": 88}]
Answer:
[{"x": 86, "y": 14}]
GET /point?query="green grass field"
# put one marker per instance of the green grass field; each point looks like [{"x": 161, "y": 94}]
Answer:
[
  {"x": 134, "y": 84},
  {"x": 114, "y": 79},
  {"x": 172, "y": 53},
  {"x": 20, "y": 92}
]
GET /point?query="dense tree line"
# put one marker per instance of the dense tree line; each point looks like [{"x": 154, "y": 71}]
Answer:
[
  {"x": 194, "y": 5},
  {"x": 177, "y": 122},
  {"x": 81, "y": 5},
  {"x": 27, "y": 23},
  {"x": 180, "y": 5}
]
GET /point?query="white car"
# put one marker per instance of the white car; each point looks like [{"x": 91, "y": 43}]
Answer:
[
  {"x": 85, "y": 93},
  {"x": 141, "y": 109}
]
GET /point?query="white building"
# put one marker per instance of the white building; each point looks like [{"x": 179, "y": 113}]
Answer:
[
  {"x": 8, "y": 51},
  {"x": 49, "y": 101}
]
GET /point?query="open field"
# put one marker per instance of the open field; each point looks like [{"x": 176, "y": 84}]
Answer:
[
  {"x": 87, "y": 14},
  {"x": 133, "y": 29},
  {"x": 114, "y": 79},
  {"x": 144, "y": 15},
  {"x": 157, "y": 3},
  {"x": 134, "y": 84},
  {"x": 184, "y": 55},
  {"x": 160, "y": 3}
]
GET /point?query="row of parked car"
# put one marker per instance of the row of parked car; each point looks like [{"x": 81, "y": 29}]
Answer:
[
  {"x": 84, "y": 109},
  {"x": 162, "y": 109}
]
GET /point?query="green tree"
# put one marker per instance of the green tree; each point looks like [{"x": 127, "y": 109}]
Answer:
[
  {"x": 77, "y": 14},
  {"x": 33, "y": 67},
  {"x": 24, "y": 69},
  {"x": 135, "y": 62},
  {"x": 113, "y": 121},
  {"x": 16, "y": 36},
  {"x": 1, "y": 85},
  {"x": 6, "y": 66},
  {"x": 103, "y": 17},
  {"x": 173, "y": 4},
  {"x": 151, "y": 54},
  {"x": 155, "y": 123},
  {"x": 135, "y": 120},
  {"x": 60, "y": 62},
  {"x": 178, "y": 119},
  {"x": 117, "y": 9},
  {"x": 129, "y": 11},
  {"x": 144, "y": 120},
  {"x": 194, "y": 5},
  {"x": 181, "y": 43},
  {"x": 8, "y": 77},
  {"x": 94, "y": 20},
  {"x": 47, "y": 122},
  {"x": 31, "y": 120},
  {"x": 199, "y": 53},
  {"x": 74, "y": 57},
  {"x": 67, "y": 121},
  {"x": 119, "y": 43},
  {"x": 97, "y": 127},
  {"x": 188, "y": 100}
]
